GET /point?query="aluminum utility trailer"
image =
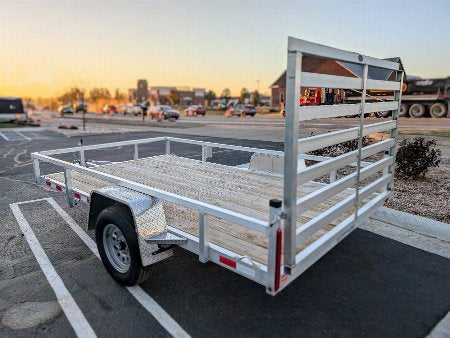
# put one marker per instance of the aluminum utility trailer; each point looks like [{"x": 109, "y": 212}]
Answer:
[{"x": 267, "y": 221}]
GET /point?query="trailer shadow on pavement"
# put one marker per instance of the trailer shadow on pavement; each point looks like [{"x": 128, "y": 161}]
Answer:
[{"x": 368, "y": 285}]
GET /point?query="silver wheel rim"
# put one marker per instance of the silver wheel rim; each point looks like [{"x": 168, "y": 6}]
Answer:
[
  {"x": 116, "y": 248},
  {"x": 416, "y": 110},
  {"x": 403, "y": 110},
  {"x": 436, "y": 111}
]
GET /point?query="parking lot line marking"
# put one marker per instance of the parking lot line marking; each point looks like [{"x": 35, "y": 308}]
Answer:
[
  {"x": 73, "y": 313},
  {"x": 24, "y": 136},
  {"x": 4, "y": 136},
  {"x": 163, "y": 318},
  {"x": 442, "y": 329}
]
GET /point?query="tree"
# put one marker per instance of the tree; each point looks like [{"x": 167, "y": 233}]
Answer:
[
  {"x": 209, "y": 96},
  {"x": 97, "y": 94},
  {"x": 173, "y": 97},
  {"x": 226, "y": 94},
  {"x": 118, "y": 95},
  {"x": 72, "y": 95},
  {"x": 244, "y": 93},
  {"x": 256, "y": 98}
]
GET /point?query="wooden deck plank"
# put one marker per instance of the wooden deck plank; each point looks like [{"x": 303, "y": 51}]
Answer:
[{"x": 246, "y": 192}]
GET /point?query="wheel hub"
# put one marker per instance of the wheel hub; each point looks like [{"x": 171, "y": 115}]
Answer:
[{"x": 116, "y": 248}]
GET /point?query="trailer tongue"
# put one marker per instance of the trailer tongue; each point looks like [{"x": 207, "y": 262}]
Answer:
[{"x": 268, "y": 220}]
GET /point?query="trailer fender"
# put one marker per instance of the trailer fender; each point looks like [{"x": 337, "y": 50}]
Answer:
[{"x": 146, "y": 211}]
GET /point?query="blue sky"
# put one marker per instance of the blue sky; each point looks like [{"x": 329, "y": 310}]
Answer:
[{"x": 47, "y": 46}]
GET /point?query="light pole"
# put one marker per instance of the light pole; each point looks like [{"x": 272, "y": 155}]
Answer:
[{"x": 257, "y": 85}]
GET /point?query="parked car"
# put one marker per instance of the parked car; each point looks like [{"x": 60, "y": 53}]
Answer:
[
  {"x": 195, "y": 110},
  {"x": 163, "y": 112},
  {"x": 81, "y": 106},
  {"x": 241, "y": 110},
  {"x": 65, "y": 110},
  {"x": 220, "y": 106},
  {"x": 109, "y": 109}
]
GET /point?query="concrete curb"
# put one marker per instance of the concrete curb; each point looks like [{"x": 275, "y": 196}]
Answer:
[{"x": 418, "y": 224}]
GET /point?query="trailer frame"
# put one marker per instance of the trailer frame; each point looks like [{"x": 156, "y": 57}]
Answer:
[{"x": 283, "y": 232}]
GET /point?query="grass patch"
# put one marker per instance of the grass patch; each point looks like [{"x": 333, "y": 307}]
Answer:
[{"x": 9, "y": 125}]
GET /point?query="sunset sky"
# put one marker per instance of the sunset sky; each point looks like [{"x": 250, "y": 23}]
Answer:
[{"x": 49, "y": 46}]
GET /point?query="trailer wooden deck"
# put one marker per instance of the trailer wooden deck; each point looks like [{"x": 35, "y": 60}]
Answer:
[{"x": 244, "y": 191}]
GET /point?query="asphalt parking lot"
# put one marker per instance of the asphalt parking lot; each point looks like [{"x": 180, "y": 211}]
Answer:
[{"x": 368, "y": 285}]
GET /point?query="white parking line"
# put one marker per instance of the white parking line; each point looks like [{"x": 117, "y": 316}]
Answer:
[
  {"x": 4, "y": 136},
  {"x": 138, "y": 293},
  {"x": 24, "y": 136},
  {"x": 73, "y": 313}
]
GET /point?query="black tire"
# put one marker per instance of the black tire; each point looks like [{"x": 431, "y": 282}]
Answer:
[
  {"x": 438, "y": 110},
  {"x": 417, "y": 110},
  {"x": 403, "y": 111},
  {"x": 118, "y": 216}
]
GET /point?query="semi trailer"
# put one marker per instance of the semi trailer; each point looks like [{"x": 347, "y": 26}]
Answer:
[
  {"x": 420, "y": 98},
  {"x": 267, "y": 220}
]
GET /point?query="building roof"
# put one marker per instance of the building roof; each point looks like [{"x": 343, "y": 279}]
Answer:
[
  {"x": 340, "y": 68},
  {"x": 374, "y": 73}
]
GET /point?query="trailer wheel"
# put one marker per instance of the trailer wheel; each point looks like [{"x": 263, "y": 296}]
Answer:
[
  {"x": 403, "y": 111},
  {"x": 417, "y": 110},
  {"x": 118, "y": 246},
  {"x": 438, "y": 110}
]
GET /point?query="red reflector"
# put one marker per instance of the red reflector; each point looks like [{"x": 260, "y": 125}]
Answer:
[
  {"x": 48, "y": 183},
  {"x": 227, "y": 261},
  {"x": 88, "y": 200},
  {"x": 77, "y": 195},
  {"x": 58, "y": 187},
  {"x": 278, "y": 260}
]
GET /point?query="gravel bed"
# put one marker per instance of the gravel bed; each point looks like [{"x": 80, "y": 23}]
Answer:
[{"x": 428, "y": 197}]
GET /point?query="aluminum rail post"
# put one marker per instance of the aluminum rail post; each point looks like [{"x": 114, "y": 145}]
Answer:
[
  {"x": 37, "y": 171},
  {"x": 360, "y": 136},
  {"x": 275, "y": 245},
  {"x": 167, "y": 147},
  {"x": 82, "y": 158},
  {"x": 68, "y": 183},
  {"x": 203, "y": 235},
  {"x": 136, "y": 152},
  {"x": 294, "y": 65}
]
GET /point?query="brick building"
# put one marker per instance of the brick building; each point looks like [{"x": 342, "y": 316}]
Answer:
[
  {"x": 329, "y": 67},
  {"x": 312, "y": 65}
]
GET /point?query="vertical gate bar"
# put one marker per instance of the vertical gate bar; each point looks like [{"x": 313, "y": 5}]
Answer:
[
  {"x": 333, "y": 176},
  {"x": 394, "y": 131},
  {"x": 203, "y": 227},
  {"x": 37, "y": 171},
  {"x": 362, "y": 110},
  {"x": 82, "y": 158},
  {"x": 292, "y": 105},
  {"x": 68, "y": 183},
  {"x": 167, "y": 147}
]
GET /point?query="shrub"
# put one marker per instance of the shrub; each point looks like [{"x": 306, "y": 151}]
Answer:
[{"x": 415, "y": 157}]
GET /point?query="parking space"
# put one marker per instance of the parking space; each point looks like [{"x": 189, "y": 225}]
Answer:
[
  {"x": 368, "y": 285},
  {"x": 24, "y": 134}
]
